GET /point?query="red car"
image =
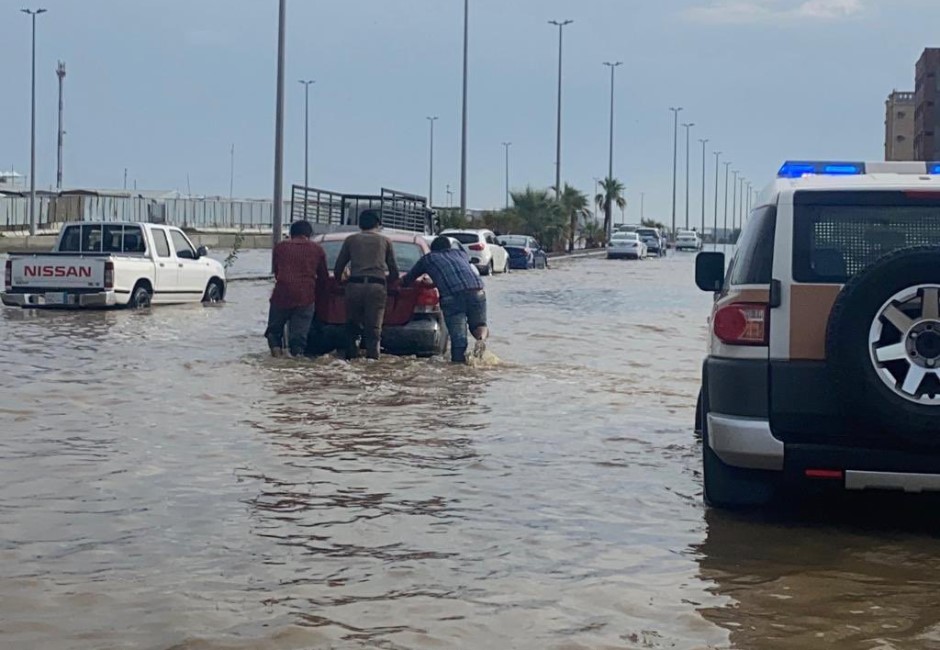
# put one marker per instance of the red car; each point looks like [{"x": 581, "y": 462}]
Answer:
[{"x": 414, "y": 323}]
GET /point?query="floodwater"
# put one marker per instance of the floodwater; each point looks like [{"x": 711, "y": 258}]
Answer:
[{"x": 164, "y": 484}]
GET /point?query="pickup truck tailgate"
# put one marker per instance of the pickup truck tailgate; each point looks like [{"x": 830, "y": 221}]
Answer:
[{"x": 41, "y": 272}]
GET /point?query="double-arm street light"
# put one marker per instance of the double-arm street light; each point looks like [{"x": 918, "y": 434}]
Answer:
[
  {"x": 561, "y": 27},
  {"x": 32, "y": 13},
  {"x": 675, "y": 161}
]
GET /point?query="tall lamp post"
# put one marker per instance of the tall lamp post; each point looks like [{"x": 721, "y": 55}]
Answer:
[
  {"x": 431, "y": 121},
  {"x": 506, "y": 145},
  {"x": 704, "y": 142},
  {"x": 727, "y": 174},
  {"x": 307, "y": 85},
  {"x": 608, "y": 217},
  {"x": 734, "y": 206},
  {"x": 277, "y": 212},
  {"x": 675, "y": 161},
  {"x": 561, "y": 28},
  {"x": 688, "y": 136},
  {"x": 717, "y": 174},
  {"x": 60, "y": 141},
  {"x": 32, "y": 13},
  {"x": 463, "y": 118}
]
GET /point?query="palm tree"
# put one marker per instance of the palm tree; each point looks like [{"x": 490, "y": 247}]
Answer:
[
  {"x": 612, "y": 194},
  {"x": 538, "y": 215},
  {"x": 574, "y": 206}
]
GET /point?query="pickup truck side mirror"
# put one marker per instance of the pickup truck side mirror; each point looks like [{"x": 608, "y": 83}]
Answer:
[
  {"x": 202, "y": 251},
  {"x": 710, "y": 271}
]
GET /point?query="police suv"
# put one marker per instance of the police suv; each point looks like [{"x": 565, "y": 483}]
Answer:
[{"x": 824, "y": 356}]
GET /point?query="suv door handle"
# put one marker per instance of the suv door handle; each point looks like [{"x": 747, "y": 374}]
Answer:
[{"x": 181, "y": 265}]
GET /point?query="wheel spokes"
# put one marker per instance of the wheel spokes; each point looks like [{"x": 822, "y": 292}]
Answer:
[
  {"x": 891, "y": 353},
  {"x": 915, "y": 377},
  {"x": 898, "y": 318},
  {"x": 931, "y": 306}
]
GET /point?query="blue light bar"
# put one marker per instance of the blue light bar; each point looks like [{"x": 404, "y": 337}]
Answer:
[
  {"x": 933, "y": 168},
  {"x": 798, "y": 169}
]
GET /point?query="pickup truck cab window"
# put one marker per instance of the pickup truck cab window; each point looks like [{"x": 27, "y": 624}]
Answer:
[
  {"x": 160, "y": 242},
  {"x": 123, "y": 239},
  {"x": 81, "y": 239},
  {"x": 184, "y": 250}
]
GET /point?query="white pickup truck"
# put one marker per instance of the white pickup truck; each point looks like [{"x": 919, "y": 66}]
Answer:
[{"x": 114, "y": 264}]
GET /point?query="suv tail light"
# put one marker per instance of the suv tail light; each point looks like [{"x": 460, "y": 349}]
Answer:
[
  {"x": 109, "y": 275},
  {"x": 427, "y": 301},
  {"x": 742, "y": 323},
  {"x": 8, "y": 275},
  {"x": 477, "y": 247}
]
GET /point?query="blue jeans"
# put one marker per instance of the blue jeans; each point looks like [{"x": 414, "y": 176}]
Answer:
[{"x": 463, "y": 310}]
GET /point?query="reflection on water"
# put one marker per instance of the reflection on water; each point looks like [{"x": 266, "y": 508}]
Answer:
[{"x": 165, "y": 484}]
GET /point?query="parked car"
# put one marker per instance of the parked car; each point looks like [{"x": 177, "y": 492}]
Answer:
[
  {"x": 413, "y": 325},
  {"x": 688, "y": 240},
  {"x": 823, "y": 370},
  {"x": 484, "y": 249},
  {"x": 654, "y": 240},
  {"x": 524, "y": 252},
  {"x": 626, "y": 244},
  {"x": 455, "y": 245},
  {"x": 114, "y": 264}
]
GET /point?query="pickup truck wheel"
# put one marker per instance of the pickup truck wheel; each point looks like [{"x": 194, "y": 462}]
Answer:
[
  {"x": 140, "y": 298},
  {"x": 214, "y": 292}
]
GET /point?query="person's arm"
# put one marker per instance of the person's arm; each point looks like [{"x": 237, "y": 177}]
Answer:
[
  {"x": 341, "y": 261},
  {"x": 323, "y": 274},
  {"x": 390, "y": 262},
  {"x": 275, "y": 255},
  {"x": 416, "y": 272}
]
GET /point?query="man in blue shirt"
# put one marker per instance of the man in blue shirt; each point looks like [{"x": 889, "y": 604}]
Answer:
[{"x": 463, "y": 300}]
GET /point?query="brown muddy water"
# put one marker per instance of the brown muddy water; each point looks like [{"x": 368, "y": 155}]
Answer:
[{"x": 164, "y": 484}]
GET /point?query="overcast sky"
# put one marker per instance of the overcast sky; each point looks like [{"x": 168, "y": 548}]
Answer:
[{"x": 165, "y": 87}]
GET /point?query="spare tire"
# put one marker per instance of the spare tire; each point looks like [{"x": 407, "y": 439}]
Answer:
[{"x": 883, "y": 347}]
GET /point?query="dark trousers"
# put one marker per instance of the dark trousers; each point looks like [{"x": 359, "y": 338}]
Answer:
[
  {"x": 298, "y": 318},
  {"x": 365, "y": 311}
]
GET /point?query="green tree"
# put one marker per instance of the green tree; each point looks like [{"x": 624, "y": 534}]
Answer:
[
  {"x": 539, "y": 215},
  {"x": 452, "y": 218},
  {"x": 611, "y": 195},
  {"x": 593, "y": 235},
  {"x": 574, "y": 204},
  {"x": 652, "y": 223}
]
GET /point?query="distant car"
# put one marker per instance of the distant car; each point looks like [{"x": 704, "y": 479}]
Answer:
[
  {"x": 485, "y": 251},
  {"x": 626, "y": 245},
  {"x": 455, "y": 245},
  {"x": 524, "y": 252},
  {"x": 414, "y": 323},
  {"x": 688, "y": 240},
  {"x": 654, "y": 240}
]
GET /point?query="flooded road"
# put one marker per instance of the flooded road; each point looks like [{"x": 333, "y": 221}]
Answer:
[{"x": 164, "y": 484}]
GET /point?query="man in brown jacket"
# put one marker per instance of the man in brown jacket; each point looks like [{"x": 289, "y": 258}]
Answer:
[{"x": 372, "y": 268}]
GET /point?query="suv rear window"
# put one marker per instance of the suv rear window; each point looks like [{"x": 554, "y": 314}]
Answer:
[
  {"x": 753, "y": 262},
  {"x": 837, "y": 234},
  {"x": 466, "y": 237}
]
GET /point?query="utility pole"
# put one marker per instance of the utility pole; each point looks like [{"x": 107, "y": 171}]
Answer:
[
  {"x": 507, "y": 145},
  {"x": 463, "y": 142},
  {"x": 734, "y": 206},
  {"x": 277, "y": 212},
  {"x": 608, "y": 217},
  {"x": 561, "y": 26},
  {"x": 717, "y": 174},
  {"x": 704, "y": 142},
  {"x": 688, "y": 135},
  {"x": 307, "y": 85},
  {"x": 727, "y": 173},
  {"x": 60, "y": 73},
  {"x": 32, "y": 13},
  {"x": 675, "y": 162},
  {"x": 642, "y": 206},
  {"x": 231, "y": 175},
  {"x": 125, "y": 178},
  {"x": 431, "y": 121}
]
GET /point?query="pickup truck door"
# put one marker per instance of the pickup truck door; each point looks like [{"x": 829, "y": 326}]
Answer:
[
  {"x": 193, "y": 272},
  {"x": 166, "y": 269}
]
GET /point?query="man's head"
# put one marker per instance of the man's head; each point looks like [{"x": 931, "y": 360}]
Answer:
[
  {"x": 300, "y": 229},
  {"x": 369, "y": 220},
  {"x": 439, "y": 244}
]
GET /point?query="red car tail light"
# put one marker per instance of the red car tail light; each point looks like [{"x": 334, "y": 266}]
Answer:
[
  {"x": 8, "y": 275},
  {"x": 428, "y": 300},
  {"x": 742, "y": 323},
  {"x": 477, "y": 247},
  {"x": 109, "y": 275}
]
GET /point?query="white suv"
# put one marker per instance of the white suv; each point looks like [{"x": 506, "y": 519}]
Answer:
[
  {"x": 823, "y": 371},
  {"x": 485, "y": 252}
]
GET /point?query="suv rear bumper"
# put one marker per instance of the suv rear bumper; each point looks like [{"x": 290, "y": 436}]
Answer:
[{"x": 38, "y": 300}]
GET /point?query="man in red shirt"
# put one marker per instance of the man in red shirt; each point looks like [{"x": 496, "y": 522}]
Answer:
[{"x": 299, "y": 272}]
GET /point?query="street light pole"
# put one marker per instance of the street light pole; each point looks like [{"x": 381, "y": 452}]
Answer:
[
  {"x": 307, "y": 85},
  {"x": 231, "y": 175},
  {"x": 608, "y": 217},
  {"x": 675, "y": 162},
  {"x": 561, "y": 26},
  {"x": 277, "y": 211},
  {"x": 734, "y": 206},
  {"x": 431, "y": 121},
  {"x": 507, "y": 145},
  {"x": 32, "y": 13},
  {"x": 463, "y": 141},
  {"x": 717, "y": 174},
  {"x": 727, "y": 173},
  {"x": 704, "y": 142},
  {"x": 60, "y": 73},
  {"x": 688, "y": 135},
  {"x": 642, "y": 206}
]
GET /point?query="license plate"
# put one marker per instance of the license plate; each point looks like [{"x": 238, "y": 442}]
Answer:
[{"x": 55, "y": 298}]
